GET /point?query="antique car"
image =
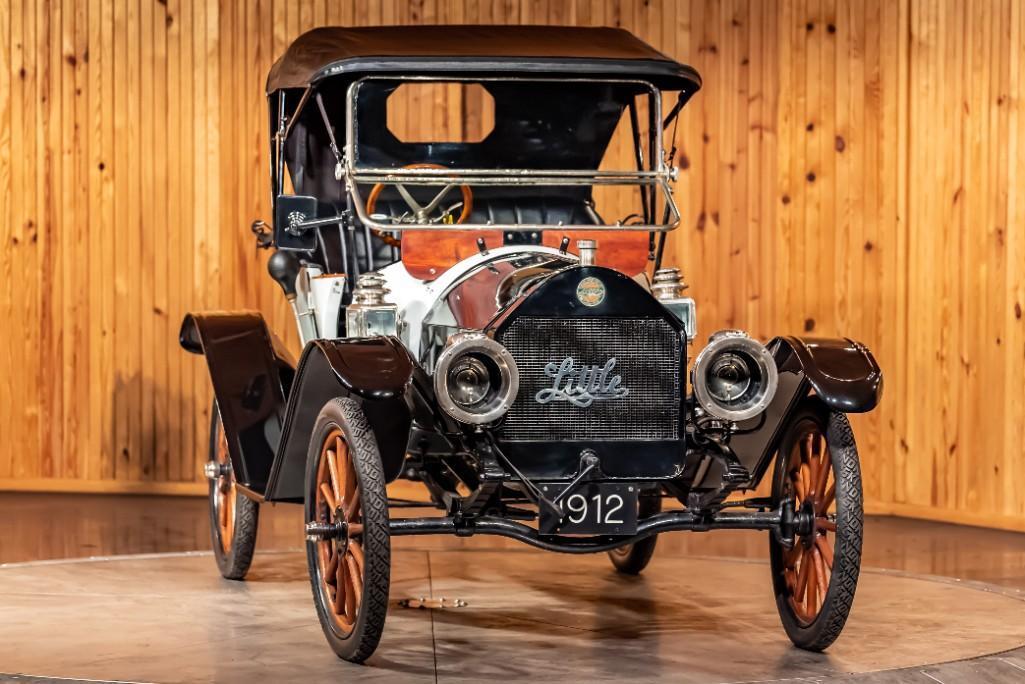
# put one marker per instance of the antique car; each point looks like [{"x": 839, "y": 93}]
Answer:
[{"x": 481, "y": 315}]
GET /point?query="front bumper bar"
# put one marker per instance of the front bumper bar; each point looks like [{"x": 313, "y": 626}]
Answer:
[{"x": 670, "y": 521}]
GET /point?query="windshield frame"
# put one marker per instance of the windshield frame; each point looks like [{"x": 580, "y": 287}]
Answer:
[{"x": 657, "y": 176}]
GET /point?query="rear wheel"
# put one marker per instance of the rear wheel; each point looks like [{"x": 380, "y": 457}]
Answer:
[
  {"x": 633, "y": 558},
  {"x": 348, "y": 549},
  {"x": 233, "y": 516},
  {"x": 817, "y": 469}
]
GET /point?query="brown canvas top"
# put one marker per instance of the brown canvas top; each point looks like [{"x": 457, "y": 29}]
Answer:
[{"x": 467, "y": 50}]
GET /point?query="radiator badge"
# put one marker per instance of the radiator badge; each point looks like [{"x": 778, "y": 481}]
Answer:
[
  {"x": 581, "y": 385},
  {"x": 591, "y": 291}
]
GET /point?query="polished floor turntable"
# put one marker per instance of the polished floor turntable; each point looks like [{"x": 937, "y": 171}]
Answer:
[{"x": 702, "y": 612}]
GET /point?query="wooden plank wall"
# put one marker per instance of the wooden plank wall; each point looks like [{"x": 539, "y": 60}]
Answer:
[{"x": 849, "y": 168}]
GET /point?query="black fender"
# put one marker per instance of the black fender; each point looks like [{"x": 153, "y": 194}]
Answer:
[
  {"x": 251, "y": 372},
  {"x": 379, "y": 373},
  {"x": 843, "y": 373},
  {"x": 844, "y": 376}
]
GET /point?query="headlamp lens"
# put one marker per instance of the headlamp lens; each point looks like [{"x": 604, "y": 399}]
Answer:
[
  {"x": 729, "y": 377},
  {"x": 468, "y": 381}
]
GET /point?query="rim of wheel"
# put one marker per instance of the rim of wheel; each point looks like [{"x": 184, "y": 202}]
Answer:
[
  {"x": 340, "y": 560},
  {"x": 224, "y": 492},
  {"x": 808, "y": 566}
]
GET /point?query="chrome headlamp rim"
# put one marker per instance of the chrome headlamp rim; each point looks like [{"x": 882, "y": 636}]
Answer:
[
  {"x": 726, "y": 341},
  {"x": 461, "y": 344}
]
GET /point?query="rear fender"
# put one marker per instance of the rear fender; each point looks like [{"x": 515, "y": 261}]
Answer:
[
  {"x": 379, "y": 373},
  {"x": 251, "y": 373}
]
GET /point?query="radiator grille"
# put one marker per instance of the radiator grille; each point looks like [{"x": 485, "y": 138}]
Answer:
[{"x": 647, "y": 354}]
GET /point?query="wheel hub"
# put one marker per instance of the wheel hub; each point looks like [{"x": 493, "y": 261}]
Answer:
[
  {"x": 215, "y": 471},
  {"x": 324, "y": 531},
  {"x": 804, "y": 523}
]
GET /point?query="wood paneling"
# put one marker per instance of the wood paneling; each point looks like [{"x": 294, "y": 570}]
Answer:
[{"x": 849, "y": 168}]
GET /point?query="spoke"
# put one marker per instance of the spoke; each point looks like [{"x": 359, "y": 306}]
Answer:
[
  {"x": 791, "y": 579},
  {"x": 820, "y": 445},
  {"x": 357, "y": 553},
  {"x": 806, "y": 481},
  {"x": 409, "y": 198},
  {"x": 332, "y": 564},
  {"x": 225, "y": 512},
  {"x": 350, "y": 594},
  {"x": 823, "y": 479},
  {"x": 340, "y": 592},
  {"x": 802, "y": 577},
  {"x": 806, "y": 452},
  {"x": 823, "y": 524},
  {"x": 822, "y": 544},
  {"x": 341, "y": 458},
  {"x": 329, "y": 456},
  {"x": 827, "y": 500},
  {"x": 820, "y": 572},
  {"x": 811, "y": 590},
  {"x": 790, "y": 560},
  {"x": 814, "y": 469},
  {"x": 351, "y": 506},
  {"x": 437, "y": 199},
  {"x": 350, "y": 478},
  {"x": 328, "y": 497},
  {"x": 355, "y": 576},
  {"x": 795, "y": 478},
  {"x": 355, "y": 529}
]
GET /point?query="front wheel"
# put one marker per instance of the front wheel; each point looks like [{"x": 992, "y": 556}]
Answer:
[
  {"x": 817, "y": 469},
  {"x": 348, "y": 548},
  {"x": 633, "y": 558},
  {"x": 233, "y": 516}
]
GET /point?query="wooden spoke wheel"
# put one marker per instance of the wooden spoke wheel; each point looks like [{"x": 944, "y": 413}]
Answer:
[
  {"x": 348, "y": 547},
  {"x": 815, "y": 579},
  {"x": 340, "y": 558},
  {"x": 633, "y": 558},
  {"x": 233, "y": 516}
]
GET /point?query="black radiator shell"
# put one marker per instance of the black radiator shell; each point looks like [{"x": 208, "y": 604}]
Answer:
[{"x": 556, "y": 298}]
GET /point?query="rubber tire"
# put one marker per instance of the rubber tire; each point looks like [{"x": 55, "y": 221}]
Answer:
[
  {"x": 235, "y": 564},
  {"x": 362, "y": 641},
  {"x": 633, "y": 558},
  {"x": 836, "y": 607}
]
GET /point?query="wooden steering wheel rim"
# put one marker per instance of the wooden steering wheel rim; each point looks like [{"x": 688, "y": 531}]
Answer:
[{"x": 465, "y": 189}]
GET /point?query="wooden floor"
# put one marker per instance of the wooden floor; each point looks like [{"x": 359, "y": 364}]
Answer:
[
  {"x": 44, "y": 527},
  {"x": 49, "y": 526}
]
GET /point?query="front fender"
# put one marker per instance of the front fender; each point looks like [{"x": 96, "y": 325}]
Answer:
[
  {"x": 251, "y": 373},
  {"x": 843, "y": 373},
  {"x": 379, "y": 373}
]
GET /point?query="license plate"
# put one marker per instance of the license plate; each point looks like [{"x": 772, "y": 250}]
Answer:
[{"x": 592, "y": 508}]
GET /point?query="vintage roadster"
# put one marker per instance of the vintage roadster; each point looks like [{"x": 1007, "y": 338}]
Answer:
[{"x": 474, "y": 319}]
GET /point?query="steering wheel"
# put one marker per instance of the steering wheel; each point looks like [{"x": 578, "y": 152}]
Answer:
[{"x": 421, "y": 214}]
